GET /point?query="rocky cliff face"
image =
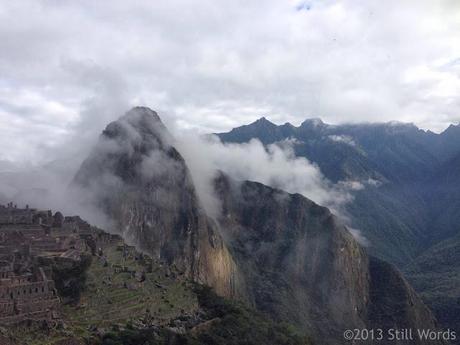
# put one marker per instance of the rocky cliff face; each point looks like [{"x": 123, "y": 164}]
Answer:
[
  {"x": 140, "y": 181},
  {"x": 280, "y": 252},
  {"x": 302, "y": 265},
  {"x": 409, "y": 211},
  {"x": 299, "y": 264}
]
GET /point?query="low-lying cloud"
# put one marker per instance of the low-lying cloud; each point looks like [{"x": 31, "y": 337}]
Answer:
[
  {"x": 46, "y": 187},
  {"x": 345, "y": 139},
  {"x": 274, "y": 165}
]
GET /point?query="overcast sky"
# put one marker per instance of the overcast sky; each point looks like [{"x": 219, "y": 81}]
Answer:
[{"x": 69, "y": 67}]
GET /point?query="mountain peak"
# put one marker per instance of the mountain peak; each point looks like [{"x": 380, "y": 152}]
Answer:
[
  {"x": 263, "y": 122},
  {"x": 141, "y": 116},
  {"x": 313, "y": 122},
  {"x": 142, "y": 186},
  {"x": 146, "y": 111},
  {"x": 451, "y": 129},
  {"x": 138, "y": 124},
  {"x": 400, "y": 124}
]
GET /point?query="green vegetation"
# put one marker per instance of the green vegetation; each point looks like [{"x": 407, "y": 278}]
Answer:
[
  {"x": 226, "y": 323},
  {"x": 116, "y": 298},
  {"x": 435, "y": 275},
  {"x": 119, "y": 289}
]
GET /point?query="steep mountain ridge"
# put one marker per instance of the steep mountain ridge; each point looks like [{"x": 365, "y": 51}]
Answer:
[
  {"x": 302, "y": 265},
  {"x": 410, "y": 210},
  {"x": 403, "y": 164},
  {"x": 298, "y": 263},
  {"x": 449, "y": 142},
  {"x": 376, "y": 143},
  {"x": 143, "y": 186},
  {"x": 280, "y": 252}
]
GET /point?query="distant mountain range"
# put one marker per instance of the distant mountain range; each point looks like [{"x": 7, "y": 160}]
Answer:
[
  {"x": 281, "y": 253},
  {"x": 410, "y": 212}
]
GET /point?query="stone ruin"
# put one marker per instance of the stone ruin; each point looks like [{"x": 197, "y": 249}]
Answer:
[
  {"x": 11, "y": 214},
  {"x": 27, "y": 290},
  {"x": 76, "y": 224},
  {"x": 27, "y": 296}
]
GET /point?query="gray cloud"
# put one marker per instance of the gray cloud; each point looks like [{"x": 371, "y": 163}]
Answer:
[{"x": 67, "y": 68}]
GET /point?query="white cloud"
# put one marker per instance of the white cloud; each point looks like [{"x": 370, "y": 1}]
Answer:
[
  {"x": 345, "y": 139},
  {"x": 218, "y": 64},
  {"x": 275, "y": 165},
  {"x": 358, "y": 235}
]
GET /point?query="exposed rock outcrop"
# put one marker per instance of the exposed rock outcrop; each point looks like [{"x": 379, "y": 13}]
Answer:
[{"x": 302, "y": 265}]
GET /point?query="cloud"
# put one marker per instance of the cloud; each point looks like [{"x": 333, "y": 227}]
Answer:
[
  {"x": 47, "y": 186},
  {"x": 218, "y": 64},
  {"x": 275, "y": 165},
  {"x": 358, "y": 235},
  {"x": 346, "y": 139},
  {"x": 57, "y": 186}
]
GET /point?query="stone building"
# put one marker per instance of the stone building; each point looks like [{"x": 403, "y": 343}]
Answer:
[
  {"x": 11, "y": 214},
  {"x": 76, "y": 224},
  {"x": 58, "y": 220},
  {"x": 29, "y": 296}
]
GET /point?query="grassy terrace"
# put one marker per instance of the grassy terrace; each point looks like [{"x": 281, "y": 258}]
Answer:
[
  {"x": 119, "y": 297},
  {"x": 112, "y": 298}
]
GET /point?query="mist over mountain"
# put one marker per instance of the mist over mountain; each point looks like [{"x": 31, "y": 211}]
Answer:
[
  {"x": 400, "y": 166},
  {"x": 408, "y": 206},
  {"x": 241, "y": 212},
  {"x": 297, "y": 181},
  {"x": 141, "y": 183},
  {"x": 281, "y": 253}
]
